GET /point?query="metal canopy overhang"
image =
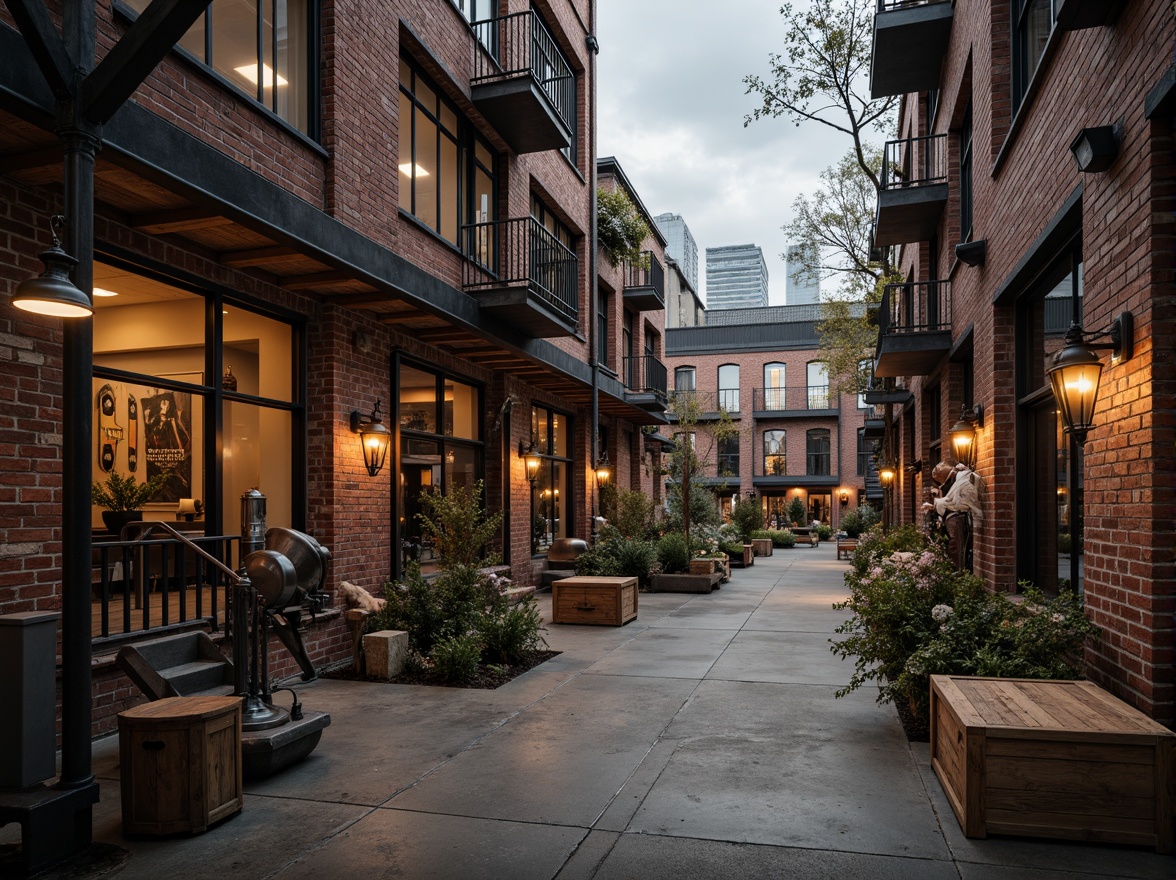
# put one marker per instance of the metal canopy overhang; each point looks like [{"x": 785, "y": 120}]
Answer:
[
  {"x": 911, "y": 354},
  {"x": 522, "y": 114},
  {"x": 164, "y": 181},
  {"x": 909, "y": 215}
]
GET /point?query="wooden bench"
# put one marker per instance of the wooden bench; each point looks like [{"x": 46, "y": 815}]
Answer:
[
  {"x": 846, "y": 548},
  {"x": 1060, "y": 759}
]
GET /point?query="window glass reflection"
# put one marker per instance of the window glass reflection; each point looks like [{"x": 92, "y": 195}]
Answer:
[{"x": 418, "y": 400}]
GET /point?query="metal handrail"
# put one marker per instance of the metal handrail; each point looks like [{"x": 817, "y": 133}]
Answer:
[
  {"x": 520, "y": 44},
  {"x": 915, "y": 307},
  {"x": 645, "y": 272},
  {"x": 891, "y": 5},
  {"x": 645, "y": 374},
  {"x": 522, "y": 250},
  {"x": 916, "y": 161},
  {"x": 794, "y": 397}
]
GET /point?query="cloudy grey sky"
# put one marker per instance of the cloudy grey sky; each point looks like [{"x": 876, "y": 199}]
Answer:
[{"x": 670, "y": 108}]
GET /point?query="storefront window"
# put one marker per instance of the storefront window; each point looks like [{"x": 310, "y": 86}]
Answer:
[
  {"x": 155, "y": 401},
  {"x": 550, "y": 493}
]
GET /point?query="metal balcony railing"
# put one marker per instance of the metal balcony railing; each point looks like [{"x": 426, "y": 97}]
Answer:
[
  {"x": 890, "y": 5},
  {"x": 155, "y": 583},
  {"x": 646, "y": 272},
  {"x": 507, "y": 252},
  {"x": 915, "y": 307},
  {"x": 645, "y": 374},
  {"x": 919, "y": 161},
  {"x": 794, "y": 398},
  {"x": 520, "y": 44}
]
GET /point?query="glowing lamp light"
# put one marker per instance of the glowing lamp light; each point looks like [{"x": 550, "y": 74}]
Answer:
[
  {"x": 249, "y": 72},
  {"x": 1076, "y": 371},
  {"x": 52, "y": 293},
  {"x": 374, "y": 437}
]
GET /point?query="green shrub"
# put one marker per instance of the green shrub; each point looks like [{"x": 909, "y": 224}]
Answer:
[
  {"x": 859, "y": 520},
  {"x": 456, "y": 658},
  {"x": 796, "y": 512},
  {"x": 457, "y": 525},
  {"x": 1064, "y": 542},
  {"x": 824, "y": 532},
  {"x": 761, "y": 534},
  {"x": 731, "y": 548},
  {"x": 614, "y": 555},
  {"x": 451, "y": 604},
  {"x": 631, "y": 514},
  {"x": 704, "y": 511},
  {"x": 673, "y": 554},
  {"x": 747, "y": 516},
  {"x": 782, "y": 538},
  {"x": 511, "y": 632}
]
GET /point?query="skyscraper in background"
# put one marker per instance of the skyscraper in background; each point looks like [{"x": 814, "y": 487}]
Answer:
[
  {"x": 736, "y": 277},
  {"x": 802, "y": 290},
  {"x": 680, "y": 244}
]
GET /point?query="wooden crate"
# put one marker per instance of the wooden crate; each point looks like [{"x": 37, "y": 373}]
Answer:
[
  {"x": 181, "y": 764},
  {"x": 1058, "y": 759},
  {"x": 605, "y": 601}
]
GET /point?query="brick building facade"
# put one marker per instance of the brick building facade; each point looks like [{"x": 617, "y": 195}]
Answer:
[
  {"x": 389, "y": 204},
  {"x": 1032, "y": 187}
]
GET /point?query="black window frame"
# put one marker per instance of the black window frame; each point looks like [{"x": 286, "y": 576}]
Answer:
[
  {"x": 966, "y": 191},
  {"x": 466, "y": 139},
  {"x": 783, "y": 454},
  {"x": 1022, "y": 57},
  {"x": 817, "y": 461}
]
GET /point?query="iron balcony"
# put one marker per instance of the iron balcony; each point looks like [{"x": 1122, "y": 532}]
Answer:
[
  {"x": 645, "y": 283},
  {"x": 523, "y": 84},
  {"x": 914, "y": 190},
  {"x": 795, "y": 400},
  {"x": 914, "y": 331},
  {"x": 910, "y": 40},
  {"x": 523, "y": 274},
  {"x": 645, "y": 382}
]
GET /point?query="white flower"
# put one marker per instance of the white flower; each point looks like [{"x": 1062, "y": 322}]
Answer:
[{"x": 941, "y": 613}]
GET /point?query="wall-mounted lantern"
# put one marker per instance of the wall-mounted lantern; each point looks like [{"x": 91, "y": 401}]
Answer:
[
  {"x": 886, "y": 475},
  {"x": 1076, "y": 370},
  {"x": 374, "y": 437},
  {"x": 1095, "y": 149},
  {"x": 844, "y": 496},
  {"x": 531, "y": 461},
  {"x": 963, "y": 434},
  {"x": 603, "y": 471},
  {"x": 51, "y": 292}
]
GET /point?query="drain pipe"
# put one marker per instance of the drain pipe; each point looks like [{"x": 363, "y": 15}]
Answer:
[{"x": 593, "y": 281}]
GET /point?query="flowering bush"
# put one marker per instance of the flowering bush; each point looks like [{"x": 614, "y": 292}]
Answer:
[
  {"x": 782, "y": 538},
  {"x": 914, "y": 615}
]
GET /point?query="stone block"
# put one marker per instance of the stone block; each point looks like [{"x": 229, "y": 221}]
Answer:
[{"x": 384, "y": 652}]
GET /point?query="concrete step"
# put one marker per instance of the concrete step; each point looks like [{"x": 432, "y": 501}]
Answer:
[{"x": 198, "y": 676}]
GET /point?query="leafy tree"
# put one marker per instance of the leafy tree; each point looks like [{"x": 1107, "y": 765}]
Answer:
[
  {"x": 620, "y": 228},
  {"x": 688, "y": 460},
  {"x": 821, "y": 78},
  {"x": 458, "y": 526}
]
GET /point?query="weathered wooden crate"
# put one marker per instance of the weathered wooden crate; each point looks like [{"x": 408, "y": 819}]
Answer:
[
  {"x": 181, "y": 764},
  {"x": 1058, "y": 759},
  {"x": 605, "y": 601}
]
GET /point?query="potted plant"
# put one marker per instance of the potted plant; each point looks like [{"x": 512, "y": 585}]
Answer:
[{"x": 122, "y": 499}]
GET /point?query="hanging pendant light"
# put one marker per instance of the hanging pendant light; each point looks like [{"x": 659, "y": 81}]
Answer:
[{"x": 52, "y": 292}]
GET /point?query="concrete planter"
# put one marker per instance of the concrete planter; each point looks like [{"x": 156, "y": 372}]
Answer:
[{"x": 685, "y": 583}]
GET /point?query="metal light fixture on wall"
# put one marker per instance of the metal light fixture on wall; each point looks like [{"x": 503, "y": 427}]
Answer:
[
  {"x": 844, "y": 496},
  {"x": 52, "y": 292},
  {"x": 886, "y": 475},
  {"x": 1077, "y": 369},
  {"x": 603, "y": 471},
  {"x": 1095, "y": 148},
  {"x": 374, "y": 438},
  {"x": 531, "y": 461},
  {"x": 963, "y": 433}
]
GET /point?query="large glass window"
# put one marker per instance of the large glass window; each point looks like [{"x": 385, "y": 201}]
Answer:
[
  {"x": 448, "y": 173},
  {"x": 263, "y": 47},
  {"x": 440, "y": 421},
  {"x": 155, "y": 403},
  {"x": 1049, "y": 462},
  {"x": 966, "y": 176},
  {"x": 729, "y": 387},
  {"x": 817, "y": 452},
  {"x": 775, "y": 454},
  {"x": 550, "y": 492},
  {"x": 728, "y": 455},
  {"x": 1032, "y": 23},
  {"x": 684, "y": 379},
  {"x": 774, "y": 394},
  {"x": 865, "y": 451},
  {"x": 818, "y": 385}
]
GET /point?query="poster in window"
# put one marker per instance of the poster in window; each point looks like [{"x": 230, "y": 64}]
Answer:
[{"x": 167, "y": 421}]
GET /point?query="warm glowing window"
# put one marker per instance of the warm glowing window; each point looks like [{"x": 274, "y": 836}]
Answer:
[{"x": 263, "y": 47}]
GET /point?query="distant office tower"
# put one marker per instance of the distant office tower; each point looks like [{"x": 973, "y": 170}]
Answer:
[
  {"x": 680, "y": 245},
  {"x": 736, "y": 277},
  {"x": 802, "y": 289}
]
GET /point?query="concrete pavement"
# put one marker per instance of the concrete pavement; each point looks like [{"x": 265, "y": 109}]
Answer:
[{"x": 701, "y": 740}]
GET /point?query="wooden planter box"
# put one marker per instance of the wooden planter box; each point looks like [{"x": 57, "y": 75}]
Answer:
[
  {"x": 705, "y": 566},
  {"x": 747, "y": 560},
  {"x": 685, "y": 583},
  {"x": 762, "y": 546},
  {"x": 181, "y": 764},
  {"x": 1058, "y": 759},
  {"x": 604, "y": 601}
]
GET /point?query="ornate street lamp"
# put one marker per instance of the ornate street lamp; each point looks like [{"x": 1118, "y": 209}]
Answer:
[
  {"x": 374, "y": 437},
  {"x": 963, "y": 434}
]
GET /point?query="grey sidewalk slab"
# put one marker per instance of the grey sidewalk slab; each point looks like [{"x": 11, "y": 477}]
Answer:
[
  {"x": 701, "y": 740},
  {"x": 559, "y": 761},
  {"x": 793, "y": 657}
]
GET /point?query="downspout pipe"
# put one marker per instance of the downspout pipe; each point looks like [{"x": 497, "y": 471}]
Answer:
[{"x": 593, "y": 280}]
